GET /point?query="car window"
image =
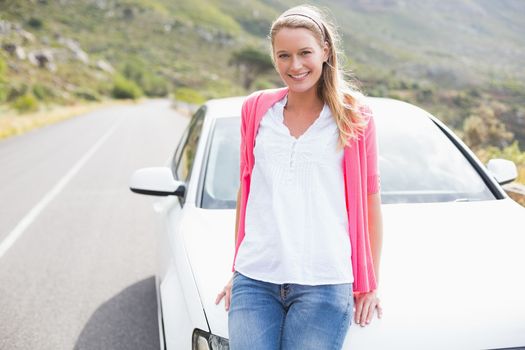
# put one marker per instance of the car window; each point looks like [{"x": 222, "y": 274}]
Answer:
[
  {"x": 185, "y": 153},
  {"x": 221, "y": 180},
  {"x": 178, "y": 151},
  {"x": 419, "y": 163}
]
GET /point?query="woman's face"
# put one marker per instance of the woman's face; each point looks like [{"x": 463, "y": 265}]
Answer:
[{"x": 298, "y": 58}]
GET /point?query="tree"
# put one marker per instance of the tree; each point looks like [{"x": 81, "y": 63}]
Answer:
[
  {"x": 483, "y": 128},
  {"x": 251, "y": 62},
  {"x": 150, "y": 83}
]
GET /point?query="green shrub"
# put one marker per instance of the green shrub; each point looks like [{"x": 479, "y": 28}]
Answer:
[
  {"x": 135, "y": 70},
  {"x": 3, "y": 92},
  {"x": 16, "y": 91},
  {"x": 87, "y": 94},
  {"x": 4, "y": 88},
  {"x": 42, "y": 92},
  {"x": 189, "y": 95},
  {"x": 25, "y": 103},
  {"x": 152, "y": 84},
  {"x": 125, "y": 89},
  {"x": 35, "y": 23},
  {"x": 3, "y": 68},
  {"x": 155, "y": 86},
  {"x": 3, "y": 85},
  {"x": 251, "y": 62},
  {"x": 463, "y": 100},
  {"x": 425, "y": 95}
]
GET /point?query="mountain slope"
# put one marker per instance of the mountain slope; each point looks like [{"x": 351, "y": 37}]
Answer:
[
  {"x": 447, "y": 53},
  {"x": 451, "y": 42}
]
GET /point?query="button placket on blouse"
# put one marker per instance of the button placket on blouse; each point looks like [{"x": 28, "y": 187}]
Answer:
[
  {"x": 291, "y": 170},
  {"x": 292, "y": 154}
]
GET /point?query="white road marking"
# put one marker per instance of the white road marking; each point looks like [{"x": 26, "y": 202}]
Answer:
[{"x": 40, "y": 206}]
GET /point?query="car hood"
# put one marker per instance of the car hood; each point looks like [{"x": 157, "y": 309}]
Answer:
[{"x": 451, "y": 274}]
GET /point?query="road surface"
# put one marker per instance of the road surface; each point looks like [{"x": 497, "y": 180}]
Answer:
[{"x": 77, "y": 248}]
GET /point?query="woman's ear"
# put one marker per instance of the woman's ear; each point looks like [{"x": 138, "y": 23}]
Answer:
[{"x": 326, "y": 51}]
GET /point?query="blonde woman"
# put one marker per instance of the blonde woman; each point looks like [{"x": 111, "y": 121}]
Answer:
[{"x": 309, "y": 228}]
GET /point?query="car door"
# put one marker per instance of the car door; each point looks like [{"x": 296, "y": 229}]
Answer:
[
  {"x": 184, "y": 157},
  {"x": 171, "y": 207}
]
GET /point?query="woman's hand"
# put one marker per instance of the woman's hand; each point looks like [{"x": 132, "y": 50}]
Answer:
[
  {"x": 365, "y": 304},
  {"x": 226, "y": 294}
]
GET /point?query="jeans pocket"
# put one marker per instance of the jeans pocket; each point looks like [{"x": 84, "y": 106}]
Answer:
[{"x": 236, "y": 277}]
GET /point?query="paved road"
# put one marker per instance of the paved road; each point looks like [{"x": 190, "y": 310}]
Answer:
[{"x": 77, "y": 248}]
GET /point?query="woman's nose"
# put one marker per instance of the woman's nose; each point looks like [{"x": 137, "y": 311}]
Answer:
[{"x": 296, "y": 63}]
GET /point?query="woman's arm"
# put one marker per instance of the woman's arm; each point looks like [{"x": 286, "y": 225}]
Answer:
[
  {"x": 245, "y": 112},
  {"x": 366, "y": 303},
  {"x": 237, "y": 215},
  {"x": 375, "y": 230},
  {"x": 227, "y": 290}
]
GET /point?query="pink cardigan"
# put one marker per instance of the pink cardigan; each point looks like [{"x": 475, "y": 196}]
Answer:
[{"x": 360, "y": 171}]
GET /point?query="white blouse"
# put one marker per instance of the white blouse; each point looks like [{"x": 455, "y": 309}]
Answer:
[{"x": 296, "y": 220}]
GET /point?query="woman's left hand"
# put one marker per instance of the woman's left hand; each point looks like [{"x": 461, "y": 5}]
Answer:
[{"x": 365, "y": 304}]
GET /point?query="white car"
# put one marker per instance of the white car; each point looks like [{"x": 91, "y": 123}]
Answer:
[{"x": 452, "y": 267}]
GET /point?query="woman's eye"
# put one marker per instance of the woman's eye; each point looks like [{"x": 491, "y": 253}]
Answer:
[
  {"x": 283, "y": 55},
  {"x": 304, "y": 53}
]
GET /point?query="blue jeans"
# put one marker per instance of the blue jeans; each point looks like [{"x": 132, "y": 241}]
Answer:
[{"x": 268, "y": 316}]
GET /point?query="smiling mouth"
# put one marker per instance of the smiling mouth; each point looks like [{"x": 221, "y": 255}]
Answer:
[{"x": 298, "y": 76}]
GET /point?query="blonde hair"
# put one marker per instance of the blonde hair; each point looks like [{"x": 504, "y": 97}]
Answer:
[{"x": 340, "y": 95}]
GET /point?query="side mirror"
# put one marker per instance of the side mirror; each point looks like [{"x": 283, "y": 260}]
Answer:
[
  {"x": 504, "y": 171},
  {"x": 156, "y": 182}
]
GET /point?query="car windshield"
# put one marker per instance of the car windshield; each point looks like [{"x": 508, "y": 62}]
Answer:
[{"x": 418, "y": 164}]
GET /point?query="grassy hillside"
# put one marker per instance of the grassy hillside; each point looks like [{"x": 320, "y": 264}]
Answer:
[{"x": 449, "y": 43}]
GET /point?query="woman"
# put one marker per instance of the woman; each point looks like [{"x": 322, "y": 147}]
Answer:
[{"x": 308, "y": 226}]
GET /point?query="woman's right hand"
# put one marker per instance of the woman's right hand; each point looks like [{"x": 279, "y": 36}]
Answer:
[{"x": 226, "y": 294}]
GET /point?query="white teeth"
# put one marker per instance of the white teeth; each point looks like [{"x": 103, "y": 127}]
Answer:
[{"x": 299, "y": 76}]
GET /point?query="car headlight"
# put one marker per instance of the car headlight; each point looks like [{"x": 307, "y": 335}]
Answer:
[{"x": 202, "y": 340}]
